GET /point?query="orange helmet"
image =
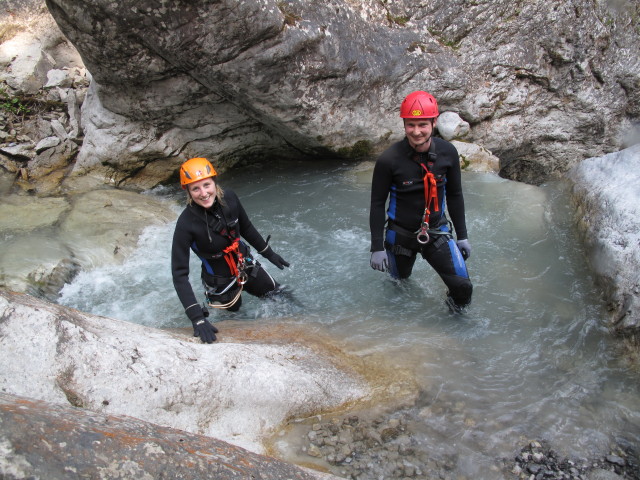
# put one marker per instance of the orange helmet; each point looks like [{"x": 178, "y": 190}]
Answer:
[
  {"x": 419, "y": 104},
  {"x": 195, "y": 169}
]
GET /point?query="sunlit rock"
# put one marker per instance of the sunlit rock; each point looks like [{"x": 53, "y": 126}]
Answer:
[
  {"x": 46, "y": 143},
  {"x": 22, "y": 151},
  {"x": 606, "y": 192},
  {"x": 58, "y": 78},
  {"x": 235, "y": 392},
  {"x": 29, "y": 63},
  {"x": 43, "y": 88}
]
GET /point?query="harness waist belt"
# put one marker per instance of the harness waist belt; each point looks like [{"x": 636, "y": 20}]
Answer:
[{"x": 408, "y": 233}]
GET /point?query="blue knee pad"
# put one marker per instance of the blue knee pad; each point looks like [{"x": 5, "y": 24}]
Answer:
[{"x": 458, "y": 261}]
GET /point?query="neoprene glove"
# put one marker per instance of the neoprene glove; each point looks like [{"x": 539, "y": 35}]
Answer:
[
  {"x": 379, "y": 260},
  {"x": 202, "y": 328},
  {"x": 274, "y": 258},
  {"x": 465, "y": 248}
]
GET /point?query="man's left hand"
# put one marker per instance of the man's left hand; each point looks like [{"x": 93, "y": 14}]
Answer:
[{"x": 465, "y": 248}]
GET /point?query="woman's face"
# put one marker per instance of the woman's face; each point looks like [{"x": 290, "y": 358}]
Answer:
[{"x": 203, "y": 192}]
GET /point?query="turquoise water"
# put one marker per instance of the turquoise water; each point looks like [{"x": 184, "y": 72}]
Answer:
[{"x": 531, "y": 359}]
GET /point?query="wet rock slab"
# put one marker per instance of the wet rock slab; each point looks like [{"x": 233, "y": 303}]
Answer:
[
  {"x": 47, "y": 240},
  {"x": 58, "y": 442},
  {"x": 232, "y": 391}
]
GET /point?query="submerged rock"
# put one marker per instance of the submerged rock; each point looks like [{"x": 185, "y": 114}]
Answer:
[
  {"x": 46, "y": 241},
  {"x": 363, "y": 447},
  {"x": 539, "y": 459}
]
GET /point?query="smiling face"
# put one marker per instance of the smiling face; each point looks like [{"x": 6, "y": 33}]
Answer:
[
  {"x": 203, "y": 192},
  {"x": 419, "y": 131}
]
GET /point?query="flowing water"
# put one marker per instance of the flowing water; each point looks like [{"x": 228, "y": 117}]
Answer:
[{"x": 530, "y": 359}]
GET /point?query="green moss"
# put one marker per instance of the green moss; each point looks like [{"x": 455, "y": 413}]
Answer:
[
  {"x": 15, "y": 105},
  {"x": 360, "y": 149},
  {"x": 442, "y": 40},
  {"x": 398, "y": 19},
  {"x": 386, "y": 136}
]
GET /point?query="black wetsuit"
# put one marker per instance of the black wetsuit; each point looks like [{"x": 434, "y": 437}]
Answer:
[
  {"x": 398, "y": 176},
  {"x": 207, "y": 233}
]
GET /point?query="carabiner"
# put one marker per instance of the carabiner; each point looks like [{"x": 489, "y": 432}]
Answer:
[
  {"x": 423, "y": 235},
  {"x": 242, "y": 275}
]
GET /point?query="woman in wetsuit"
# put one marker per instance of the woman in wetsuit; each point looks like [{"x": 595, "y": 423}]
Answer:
[{"x": 213, "y": 226}]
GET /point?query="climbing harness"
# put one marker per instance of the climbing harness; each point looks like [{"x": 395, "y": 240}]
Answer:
[
  {"x": 424, "y": 233},
  {"x": 224, "y": 292},
  {"x": 237, "y": 268},
  {"x": 442, "y": 234},
  {"x": 222, "y": 296},
  {"x": 238, "y": 278},
  {"x": 430, "y": 198}
]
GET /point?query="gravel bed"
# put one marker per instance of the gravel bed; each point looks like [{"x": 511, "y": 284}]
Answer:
[{"x": 385, "y": 448}]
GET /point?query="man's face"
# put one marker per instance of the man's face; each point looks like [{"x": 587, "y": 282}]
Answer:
[{"x": 419, "y": 132}]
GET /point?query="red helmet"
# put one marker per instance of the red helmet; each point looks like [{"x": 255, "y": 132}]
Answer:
[
  {"x": 195, "y": 169},
  {"x": 419, "y": 104}
]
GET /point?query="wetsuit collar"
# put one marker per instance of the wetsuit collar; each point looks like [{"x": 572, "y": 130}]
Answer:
[{"x": 415, "y": 156}]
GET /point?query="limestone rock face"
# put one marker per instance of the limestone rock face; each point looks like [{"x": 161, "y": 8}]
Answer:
[
  {"x": 606, "y": 193},
  {"x": 542, "y": 85},
  {"x": 57, "y": 442},
  {"x": 235, "y": 392},
  {"x": 43, "y": 83},
  {"x": 474, "y": 158}
]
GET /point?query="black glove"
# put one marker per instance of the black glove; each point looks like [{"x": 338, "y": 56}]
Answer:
[
  {"x": 202, "y": 328},
  {"x": 274, "y": 258}
]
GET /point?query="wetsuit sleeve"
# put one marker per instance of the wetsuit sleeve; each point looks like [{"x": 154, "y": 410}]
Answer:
[
  {"x": 248, "y": 231},
  {"x": 180, "y": 252},
  {"x": 455, "y": 198},
  {"x": 380, "y": 186}
]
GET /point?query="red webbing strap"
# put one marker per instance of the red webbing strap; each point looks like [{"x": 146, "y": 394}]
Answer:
[
  {"x": 430, "y": 192},
  {"x": 231, "y": 261}
]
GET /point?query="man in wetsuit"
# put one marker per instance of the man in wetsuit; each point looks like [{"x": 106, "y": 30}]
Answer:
[{"x": 420, "y": 175}]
